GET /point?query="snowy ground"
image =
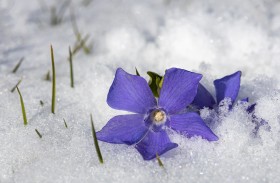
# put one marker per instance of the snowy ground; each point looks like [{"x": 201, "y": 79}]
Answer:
[{"x": 214, "y": 38}]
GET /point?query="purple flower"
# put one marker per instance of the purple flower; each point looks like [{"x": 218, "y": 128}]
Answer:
[
  {"x": 226, "y": 87},
  {"x": 147, "y": 128}
]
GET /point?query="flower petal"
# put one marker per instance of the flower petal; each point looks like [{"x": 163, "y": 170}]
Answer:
[
  {"x": 245, "y": 99},
  {"x": 178, "y": 90},
  {"x": 251, "y": 108},
  {"x": 131, "y": 93},
  {"x": 203, "y": 98},
  {"x": 191, "y": 124},
  {"x": 123, "y": 129},
  {"x": 154, "y": 143},
  {"x": 228, "y": 87}
]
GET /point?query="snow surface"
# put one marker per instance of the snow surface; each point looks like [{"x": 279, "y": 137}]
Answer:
[{"x": 214, "y": 38}]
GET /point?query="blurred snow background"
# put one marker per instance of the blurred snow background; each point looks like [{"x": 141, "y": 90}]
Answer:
[{"x": 215, "y": 38}]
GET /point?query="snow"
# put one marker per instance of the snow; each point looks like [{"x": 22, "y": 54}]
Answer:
[{"x": 215, "y": 38}]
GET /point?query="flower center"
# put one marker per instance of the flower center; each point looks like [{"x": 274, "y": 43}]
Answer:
[{"x": 159, "y": 116}]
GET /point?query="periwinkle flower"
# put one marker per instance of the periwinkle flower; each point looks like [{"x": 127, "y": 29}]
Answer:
[
  {"x": 147, "y": 128},
  {"x": 226, "y": 87}
]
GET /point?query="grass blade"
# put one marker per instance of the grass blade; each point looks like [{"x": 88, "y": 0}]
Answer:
[
  {"x": 53, "y": 82},
  {"x": 65, "y": 124},
  {"x": 159, "y": 161},
  {"x": 48, "y": 76},
  {"x": 22, "y": 107},
  {"x": 18, "y": 65},
  {"x": 58, "y": 14},
  {"x": 137, "y": 73},
  {"x": 14, "y": 88},
  {"x": 95, "y": 141},
  {"x": 71, "y": 68},
  {"x": 80, "y": 44},
  {"x": 63, "y": 8},
  {"x": 74, "y": 26},
  {"x": 38, "y": 133}
]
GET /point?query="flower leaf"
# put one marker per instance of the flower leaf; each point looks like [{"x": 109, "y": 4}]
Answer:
[{"x": 155, "y": 82}]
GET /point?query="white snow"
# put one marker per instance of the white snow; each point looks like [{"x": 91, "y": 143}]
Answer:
[{"x": 215, "y": 38}]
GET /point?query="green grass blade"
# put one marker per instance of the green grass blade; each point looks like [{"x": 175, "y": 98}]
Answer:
[
  {"x": 57, "y": 14},
  {"x": 96, "y": 141},
  {"x": 71, "y": 68},
  {"x": 14, "y": 88},
  {"x": 48, "y": 76},
  {"x": 80, "y": 44},
  {"x": 53, "y": 81},
  {"x": 54, "y": 17},
  {"x": 18, "y": 65},
  {"x": 74, "y": 26},
  {"x": 159, "y": 161},
  {"x": 22, "y": 107},
  {"x": 137, "y": 73},
  {"x": 61, "y": 11},
  {"x": 38, "y": 133},
  {"x": 65, "y": 124}
]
